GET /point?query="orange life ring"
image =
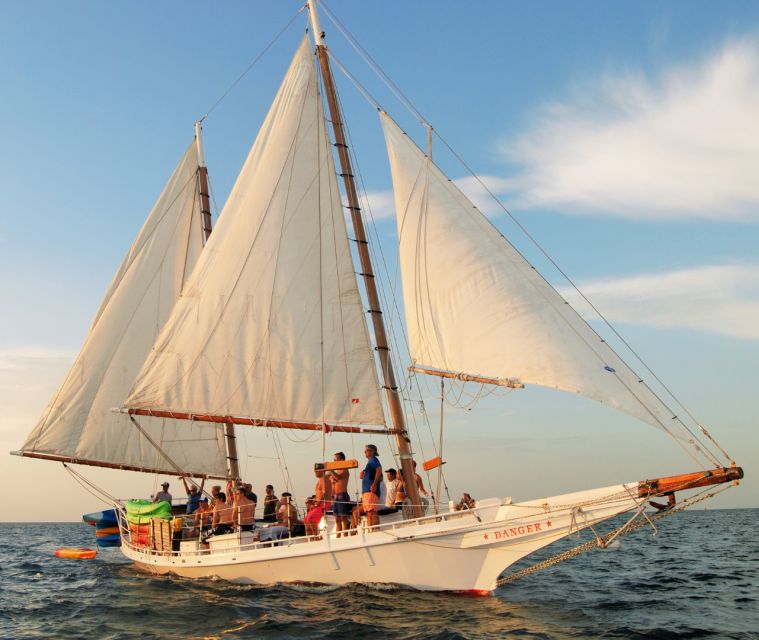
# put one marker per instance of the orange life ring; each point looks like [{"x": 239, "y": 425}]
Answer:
[{"x": 76, "y": 553}]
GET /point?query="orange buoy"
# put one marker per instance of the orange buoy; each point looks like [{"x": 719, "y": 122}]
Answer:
[{"x": 76, "y": 553}]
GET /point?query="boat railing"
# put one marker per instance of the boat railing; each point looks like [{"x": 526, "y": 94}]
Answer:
[{"x": 192, "y": 539}]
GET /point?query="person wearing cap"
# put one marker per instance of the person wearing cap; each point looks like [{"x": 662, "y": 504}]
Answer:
[
  {"x": 371, "y": 488},
  {"x": 194, "y": 494},
  {"x": 163, "y": 495}
]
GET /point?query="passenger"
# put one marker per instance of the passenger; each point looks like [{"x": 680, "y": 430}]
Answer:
[
  {"x": 419, "y": 483},
  {"x": 270, "y": 505},
  {"x": 322, "y": 501},
  {"x": 466, "y": 502},
  {"x": 371, "y": 479},
  {"x": 204, "y": 515},
  {"x": 243, "y": 512},
  {"x": 392, "y": 488},
  {"x": 164, "y": 494},
  {"x": 215, "y": 491},
  {"x": 342, "y": 505},
  {"x": 251, "y": 496},
  {"x": 222, "y": 515},
  {"x": 400, "y": 490},
  {"x": 193, "y": 494},
  {"x": 287, "y": 514}
]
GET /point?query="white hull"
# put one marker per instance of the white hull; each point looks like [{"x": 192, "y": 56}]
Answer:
[{"x": 452, "y": 551}]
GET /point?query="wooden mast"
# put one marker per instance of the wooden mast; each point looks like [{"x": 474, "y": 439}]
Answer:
[
  {"x": 375, "y": 311},
  {"x": 230, "y": 438}
]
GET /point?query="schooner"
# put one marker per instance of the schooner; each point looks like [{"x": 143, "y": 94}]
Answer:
[{"x": 264, "y": 323}]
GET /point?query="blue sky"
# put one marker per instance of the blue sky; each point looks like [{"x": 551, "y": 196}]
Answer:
[{"x": 623, "y": 136}]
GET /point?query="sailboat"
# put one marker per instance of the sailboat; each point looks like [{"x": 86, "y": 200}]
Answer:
[{"x": 265, "y": 322}]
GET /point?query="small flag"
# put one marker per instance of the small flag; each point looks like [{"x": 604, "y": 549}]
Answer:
[{"x": 355, "y": 400}]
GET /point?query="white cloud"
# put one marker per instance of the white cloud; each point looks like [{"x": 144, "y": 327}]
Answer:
[
  {"x": 682, "y": 145},
  {"x": 379, "y": 203},
  {"x": 721, "y": 299}
]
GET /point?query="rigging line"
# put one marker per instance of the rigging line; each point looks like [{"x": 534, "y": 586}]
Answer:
[
  {"x": 90, "y": 487},
  {"x": 156, "y": 445},
  {"x": 252, "y": 64},
  {"x": 395, "y": 353},
  {"x": 318, "y": 105},
  {"x": 373, "y": 65},
  {"x": 379, "y": 281}
]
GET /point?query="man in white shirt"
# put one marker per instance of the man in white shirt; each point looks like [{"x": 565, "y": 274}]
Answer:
[{"x": 392, "y": 487}]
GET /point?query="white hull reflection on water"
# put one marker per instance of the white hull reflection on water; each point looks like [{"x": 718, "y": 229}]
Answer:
[{"x": 695, "y": 579}]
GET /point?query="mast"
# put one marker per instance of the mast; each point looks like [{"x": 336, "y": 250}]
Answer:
[
  {"x": 375, "y": 311},
  {"x": 230, "y": 438}
]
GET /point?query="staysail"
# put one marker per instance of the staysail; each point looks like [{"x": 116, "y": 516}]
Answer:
[
  {"x": 270, "y": 325},
  {"x": 474, "y": 305},
  {"x": 79, "y": 424}
]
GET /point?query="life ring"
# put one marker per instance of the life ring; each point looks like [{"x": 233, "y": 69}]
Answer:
[{"x": 76, "y": 553}]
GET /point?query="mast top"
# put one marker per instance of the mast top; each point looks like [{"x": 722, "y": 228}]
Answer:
[
  {"x": 315, "y": 24},
  {"x": 199, "y": 144}
]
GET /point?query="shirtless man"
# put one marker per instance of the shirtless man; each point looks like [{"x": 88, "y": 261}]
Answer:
[
  {"x": 222, "y": 515},
  {"x": 342, "y": 505},
  {"x": 243, "y": 512},
  {"x": 322, "y": 499}
]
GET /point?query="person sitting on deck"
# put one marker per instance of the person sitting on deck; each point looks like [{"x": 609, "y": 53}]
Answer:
[
  {"x": 287, "y": 514},
  {"x": 342, "y": 506},
  {"x": 222, "y": 515},
  {"x": 466, "y": 502},
  {"x": 203, "y": 515},
  {"x": 163, "y": 494},
  {"x": 243, "y": 511},
  {"x": 371, "y": 479},
  {"x": 270, "y": 505},
  {"x": 194, "y": 494}
]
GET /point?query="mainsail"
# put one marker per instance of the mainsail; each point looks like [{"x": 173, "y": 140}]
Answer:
[
  {"x": 79, "y": 424},
  {"x": 474, "y": 305},
  {"x": 270, "y": 325}
]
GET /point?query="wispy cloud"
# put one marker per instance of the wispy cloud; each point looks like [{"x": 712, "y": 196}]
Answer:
[
  {"x": 684, "y": 144},
  {"x": 721, "y": 299},
  {"x": 379, "y": 203}
]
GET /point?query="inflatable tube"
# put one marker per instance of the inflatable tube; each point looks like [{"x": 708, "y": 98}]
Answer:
[
  {"x": 109, "y": 541},
  {"x": 105, "y": 518},
  {"x": 106, "y": 531},
  {"x": 141, "y": 511},
  {"x": 76, "y": 553},
  {"x": 140, "y": 534}
]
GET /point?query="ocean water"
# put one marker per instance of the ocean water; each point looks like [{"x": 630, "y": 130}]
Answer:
[{"x": 698, "y": 578}]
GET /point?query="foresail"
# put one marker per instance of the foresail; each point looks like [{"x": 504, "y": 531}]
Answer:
[
  {"x": 475, "y": 305},
  {"x": 271, "y": 325},
  {"x": 79, "y": 424}
]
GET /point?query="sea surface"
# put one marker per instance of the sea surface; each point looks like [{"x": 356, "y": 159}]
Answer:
[{"x": 697, "y": 578}]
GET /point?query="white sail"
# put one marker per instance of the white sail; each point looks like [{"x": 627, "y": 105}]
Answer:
[
  {"x": 79, "y": 423},
  {"x": 270, "y": 325},
  {"x": 474, "y": 305}
]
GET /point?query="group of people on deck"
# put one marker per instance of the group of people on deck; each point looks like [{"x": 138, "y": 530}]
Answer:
[{"x": 236, "y": 511}]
